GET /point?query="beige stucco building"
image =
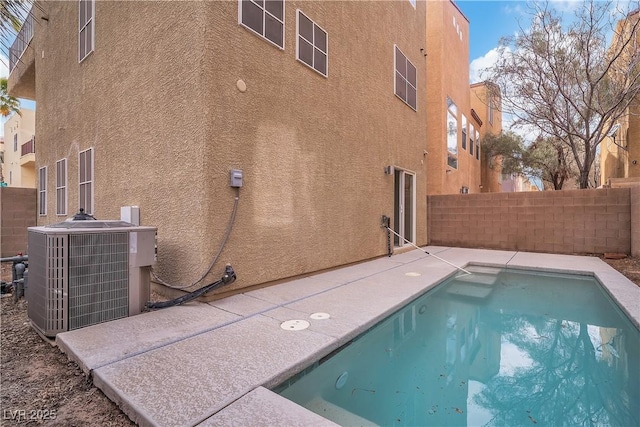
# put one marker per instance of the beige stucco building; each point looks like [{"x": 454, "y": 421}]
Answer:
[
  {"x": 18, "y": 169},
  {"x": 320, "y": 104},
  {"x": 620, "y": 150},
  {"x": 453, "y": 129},
  {"x": 486, "y": 105}
]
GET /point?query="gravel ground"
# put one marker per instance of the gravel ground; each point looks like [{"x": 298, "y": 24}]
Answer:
[{"x": 39, "y": 385}]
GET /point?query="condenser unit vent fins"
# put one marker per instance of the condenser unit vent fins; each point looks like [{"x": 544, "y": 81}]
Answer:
[
  {"x": 47, "y": 289},
  {"x": 98, "y": 275}
]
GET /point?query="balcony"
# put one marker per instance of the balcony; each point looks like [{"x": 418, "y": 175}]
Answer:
[
  {"x": 22, "y": 63},
  {"x": 27, "y": 153}
]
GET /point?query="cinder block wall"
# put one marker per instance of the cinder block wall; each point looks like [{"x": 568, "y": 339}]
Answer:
[
  {"x": 635, "y": 220},
  {"x": 18, "y": 211},
  {"x": 573, "y": 221}
]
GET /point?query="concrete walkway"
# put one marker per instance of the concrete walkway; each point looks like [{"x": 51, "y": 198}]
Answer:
[{"x": 213, "y": 364}]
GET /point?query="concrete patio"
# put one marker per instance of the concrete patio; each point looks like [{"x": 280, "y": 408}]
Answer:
[{"x": 213, "y": 364}]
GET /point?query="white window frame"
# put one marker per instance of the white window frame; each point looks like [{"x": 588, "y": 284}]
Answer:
[
  {"x": 61, "y": 187},
  {"x": 84, "y": 26},
  {"x": 464, "y": 132},
  {"x": 491, "y": 111},
  {"x": 312, "y": 43},
  {"x": 82, "y": 185},
  {"x": 395, "y": 72},
  {"x": 454, "y": 153},
  {"x": 265, "y": 11},
  {"x": 42, "y": 191}
]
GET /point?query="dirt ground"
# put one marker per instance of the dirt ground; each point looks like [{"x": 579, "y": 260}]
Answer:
[{"x": 40, "y": 386}]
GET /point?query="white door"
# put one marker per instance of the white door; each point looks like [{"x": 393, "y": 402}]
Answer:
[{"x": 404, "y": 206}]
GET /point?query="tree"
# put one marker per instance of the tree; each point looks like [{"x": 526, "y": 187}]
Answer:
[
  {"x": 550, "y": 160},
  {"x": 546, "y": 159},
  {"x": 11, "y": 12},
  {"x": 8, "y": 104},
  {"x": 566, "y": 81}
]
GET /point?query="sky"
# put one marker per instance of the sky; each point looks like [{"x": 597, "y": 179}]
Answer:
[{"x": 490, "y": 20}]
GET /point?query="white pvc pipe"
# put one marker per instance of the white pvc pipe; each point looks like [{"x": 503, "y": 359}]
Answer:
[{"x": 437, "y": 257}]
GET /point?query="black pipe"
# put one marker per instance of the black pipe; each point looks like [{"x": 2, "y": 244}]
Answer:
[
  {"x": 228, "y": 278},
  {"x": 17, "y": 258}
]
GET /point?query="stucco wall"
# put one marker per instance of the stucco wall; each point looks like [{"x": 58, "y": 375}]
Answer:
[
  {"x": 17, "y": 212},
  {"x": 448, "y": 35},
  {"x": 574, "y": 221},
  {"x": 158, "y": 101},
  {"x": 635, "y": 220}
]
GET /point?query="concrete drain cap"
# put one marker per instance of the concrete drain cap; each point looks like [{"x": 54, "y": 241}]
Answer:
[
  {"x": 320, "y": 316},
  {"x": 412, "y": 274},
  {"x": 294, "y": 325}
]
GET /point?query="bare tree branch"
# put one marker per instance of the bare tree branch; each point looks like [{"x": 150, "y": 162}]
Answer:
[{"x": 567, "y": 81}]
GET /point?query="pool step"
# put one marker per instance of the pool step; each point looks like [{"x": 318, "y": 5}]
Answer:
[
  {"x": 476, "y": 285},
  {"x": 336, "y": 414}
]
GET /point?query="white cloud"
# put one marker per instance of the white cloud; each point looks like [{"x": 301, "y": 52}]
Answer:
[{"x": 478, "y": 65}]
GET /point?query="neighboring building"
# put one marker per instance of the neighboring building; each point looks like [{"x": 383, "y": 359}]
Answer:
[
  {"x": 453, "y": 143},
  {"x": 486, "y": 105},
  {"x": 19, "y": 168},
  {"x": 620, "y": 150},
  {"x": 312, "y": 100},
  {"x": 516, "y": 183}
]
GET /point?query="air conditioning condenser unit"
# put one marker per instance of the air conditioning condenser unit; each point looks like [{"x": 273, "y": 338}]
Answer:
[{"x": 86, "y": 272}]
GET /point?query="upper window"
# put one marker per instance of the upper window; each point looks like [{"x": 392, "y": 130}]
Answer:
[
  {"x": 86, "y": 28},
  {"x": 85, "y": 166},
  {"x": 413, "y": 3},
  {"x": 42, "y": 191},
  {"x": 452, "y": 134},
  {"x": 490, "y": 110},
  {"x": 312, "y": 44},
  {"x": 15, "y": 142},
  {"x": 464, "y": 132},
  {"x": 265, "y": 18},
  {"x": 472, "y": 134},
  {"x": 477, "y": 145},
  {"x": 61, "y": 187},
  {"x": 406, "y": 84}
]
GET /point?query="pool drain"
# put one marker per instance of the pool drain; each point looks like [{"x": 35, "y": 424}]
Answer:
[
  {"x": 294, "y": 325},
  {"x": 319, "y": 316}
]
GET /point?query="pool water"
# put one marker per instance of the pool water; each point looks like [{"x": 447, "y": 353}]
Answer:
[{"x": 498, "y": 347}]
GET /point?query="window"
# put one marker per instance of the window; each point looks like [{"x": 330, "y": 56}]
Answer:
[
  {"x": 85, "y": 166},
  {"x": 86, "y": 28},
  {"x": 15, "y": 142},
  {"x": 477, "y": 145},
  {"x": 265, "y": 18},
  {"x": 312, "y": 44},
  {"x": 42, "y": 190},
  {"x": 464, "y": 132},
  {"x": 61, "y": 187},
  {"x": 406, "y": 84},
  {"x": 472, "y": 134},
  {"x": 413, "y": 3},
  {"x": 452, "y": 134},
  {"x": 490, "y": 110}
]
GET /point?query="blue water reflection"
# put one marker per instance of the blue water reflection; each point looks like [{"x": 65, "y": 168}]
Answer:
[{"x": 508, "y": 348}]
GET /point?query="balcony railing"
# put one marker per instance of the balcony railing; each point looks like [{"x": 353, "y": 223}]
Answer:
[
  {"x": 28, "y": 147},
  {"x": 21, "y": 42}
]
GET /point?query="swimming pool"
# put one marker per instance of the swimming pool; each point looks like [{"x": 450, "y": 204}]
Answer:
[{"x": 499, "y": 347}]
